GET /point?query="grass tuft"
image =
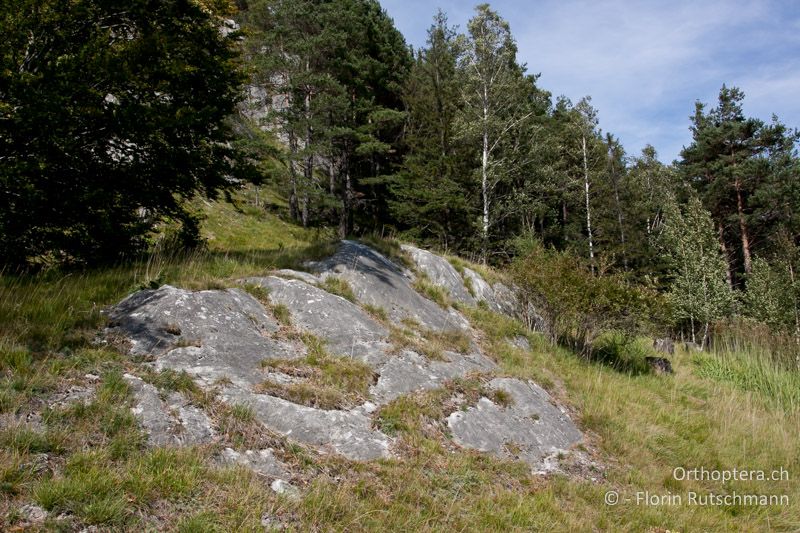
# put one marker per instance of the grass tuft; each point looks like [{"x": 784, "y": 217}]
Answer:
[{"x": 339, "y": 287}]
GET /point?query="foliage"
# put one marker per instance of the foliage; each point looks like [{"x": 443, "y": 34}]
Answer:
[
  {"x": 741, "y": 167},
  {"x": 577, "y": 306},
  {"x": 112, "y": 115},
  {"x": 338, "y": 68},
  {"x": 699, "y": 293},
  {"x": 772, "y": 295}
]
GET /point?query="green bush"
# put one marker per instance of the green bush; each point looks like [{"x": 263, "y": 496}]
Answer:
[{"x": 576, "y": 305}]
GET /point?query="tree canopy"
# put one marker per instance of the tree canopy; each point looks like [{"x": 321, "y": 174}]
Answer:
[{"x": 112, "y": 114}]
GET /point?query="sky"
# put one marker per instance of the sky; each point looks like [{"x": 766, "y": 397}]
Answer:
[{"x": 645, "y": 63}]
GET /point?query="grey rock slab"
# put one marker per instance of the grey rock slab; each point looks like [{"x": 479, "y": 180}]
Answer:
[
  {"x": 377, "y": 281},
  {"x": 499, "y": 297},
  {"x": 347, "y": 328},
  {"x": 505, "y": 299},
  {"x": 482, "y": 290},
  {"x": 211, "y": 335},
  {"x": 262, "y": 462},
  {"x": 158, "y": 320},
  {"x": 311, "y": 279},
  {"x": 168, "y": 422},
  {"x": 518, "y": 341},
  {"x": 532, "y": 428},
  {"x": 441, "y": 273},
  {"x": 409, "y": 372},
  {"x": 348, "y": 433}
]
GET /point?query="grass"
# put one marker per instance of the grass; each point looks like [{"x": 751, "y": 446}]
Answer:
[
  {"x": 733, "y": 407},
  {"x": 432, "y": 344},
  {"x": 327, "y": 381},
  {"x": 339, "y": 287},
  {"x": 390, "y": 248},
  {"x": 431, "y": 291}
]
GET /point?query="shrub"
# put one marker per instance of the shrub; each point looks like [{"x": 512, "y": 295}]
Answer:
[{"x": 576, "y": 305}]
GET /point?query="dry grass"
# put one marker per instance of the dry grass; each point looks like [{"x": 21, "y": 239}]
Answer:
[
  {"x": 88, "y": 461},
  {"x": 324, "y": 381}
]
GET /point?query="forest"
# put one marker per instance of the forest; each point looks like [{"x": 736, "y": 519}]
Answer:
[
  {"x": 113, "y": 120},
  {"x": 526, "y": 328}
]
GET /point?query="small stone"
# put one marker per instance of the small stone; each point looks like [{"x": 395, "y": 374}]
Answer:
[
  {"x": 369, "y": 407},
  {"x": 281, "y": 486},
  {"x": 92, "y": 377},
  {"x": 33, "y": 514},
  {"x": 272, "y": 523}
]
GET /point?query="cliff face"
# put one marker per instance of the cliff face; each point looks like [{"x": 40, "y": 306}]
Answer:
[{"x": 312, "y": 357}]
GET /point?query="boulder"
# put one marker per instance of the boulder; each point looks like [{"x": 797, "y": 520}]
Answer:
[
  {"x": 441, "y": 273},
  {"x": 530, "y": 428},
  {"x": 665, "y": 345},
  {"x": 659, "y": 365},
  {"x": 379, "y": 282},
  {"x": 221, "y": 338},
  {"x": 498, "y": 297}
]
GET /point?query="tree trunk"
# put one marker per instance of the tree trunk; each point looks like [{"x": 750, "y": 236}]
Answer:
[
  {"x": 588, "y": 211},
  {"x": 331, "y": 176},
  {"x": 345, "y": 219},
  {"x": 485, "y": 175},
  {"x": 308, "y": 171},
  {"x": 748, "y": 263},
  {"x": 724, "y": 248},
  {"x": 705, "y": 337},
  {"x": 293, "y": 210},
  {"x": 621, "y": 225}
]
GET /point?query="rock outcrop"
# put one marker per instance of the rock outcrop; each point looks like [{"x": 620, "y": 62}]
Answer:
[
  {"x": 222, "y": 337},
  {"x": 530, "y": 428},
  {"x": 381, "y": 283}
]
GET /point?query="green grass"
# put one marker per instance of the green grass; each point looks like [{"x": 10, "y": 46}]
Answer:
[
  {"x": 729, "y": 408},
  {"x": 390, "y": 248},
  {"x": 431, "y": 291},
  {"x": 327, "y": 381},
  {"x": 339, "y": 287},
  {"x": 430, "y": 343}
]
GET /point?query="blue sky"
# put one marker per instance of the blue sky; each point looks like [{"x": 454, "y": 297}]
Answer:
[{"x": 645, "y": 63}]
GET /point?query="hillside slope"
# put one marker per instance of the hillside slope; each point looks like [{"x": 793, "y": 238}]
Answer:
[{"x": 219, "y": 398}]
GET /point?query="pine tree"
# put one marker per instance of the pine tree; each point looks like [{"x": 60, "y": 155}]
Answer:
[
  {"x": 432, "y": 198},
  {"x": 112, "y": 116},
  {"x": 734, "y": 162}
]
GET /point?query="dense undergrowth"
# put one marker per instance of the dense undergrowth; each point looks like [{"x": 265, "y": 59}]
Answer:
[{"x": 731, "y": 407}]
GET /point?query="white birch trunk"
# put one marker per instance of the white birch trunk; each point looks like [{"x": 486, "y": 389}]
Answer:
[{"x": 588, "y": 211}]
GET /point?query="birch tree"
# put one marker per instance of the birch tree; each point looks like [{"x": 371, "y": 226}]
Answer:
[
  {"x": 586, "y": 121},
  {"x": 699, "y": 293},
  {"x": 493, "y": 83}
]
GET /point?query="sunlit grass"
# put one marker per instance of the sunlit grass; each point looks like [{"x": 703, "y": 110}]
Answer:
[{"x": 733, "y": 407}]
